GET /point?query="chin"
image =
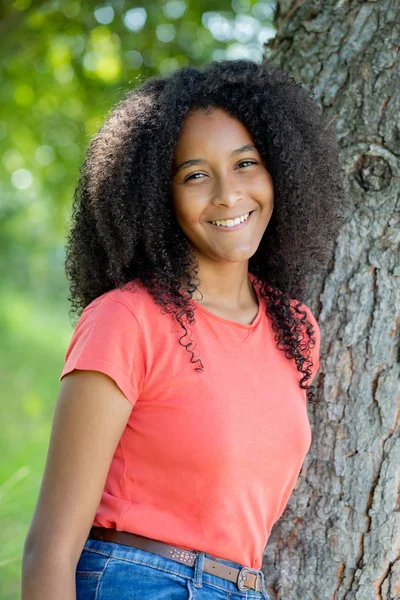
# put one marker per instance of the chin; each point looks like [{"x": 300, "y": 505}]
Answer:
[{"x": 234, "y": 258}]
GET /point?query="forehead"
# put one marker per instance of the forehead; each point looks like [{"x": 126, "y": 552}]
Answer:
[{"x": 202, "y": 129}]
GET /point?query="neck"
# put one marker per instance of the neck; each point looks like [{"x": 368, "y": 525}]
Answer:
[{"x": 227, "y": 285}]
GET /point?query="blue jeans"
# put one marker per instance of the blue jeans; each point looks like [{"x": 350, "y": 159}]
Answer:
[{"x": 111, "y": 571}]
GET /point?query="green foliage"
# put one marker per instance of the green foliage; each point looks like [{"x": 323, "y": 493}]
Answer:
[{"x": 64, "y": 65}]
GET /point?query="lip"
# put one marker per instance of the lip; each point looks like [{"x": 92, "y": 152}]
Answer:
[{"x": 235, "y": 227}]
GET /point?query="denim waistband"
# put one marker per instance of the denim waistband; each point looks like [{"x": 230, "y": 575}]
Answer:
[{"x": 195, "y": 573}]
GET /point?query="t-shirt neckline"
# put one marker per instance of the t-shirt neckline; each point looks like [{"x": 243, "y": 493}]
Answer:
[{"x": 235, "y": 323}]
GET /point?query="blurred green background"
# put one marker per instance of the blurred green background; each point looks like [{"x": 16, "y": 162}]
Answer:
[{"x": 64, "y": 64}]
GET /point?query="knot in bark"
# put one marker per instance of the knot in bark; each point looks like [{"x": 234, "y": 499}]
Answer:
[{"x": 372, "y": 172}]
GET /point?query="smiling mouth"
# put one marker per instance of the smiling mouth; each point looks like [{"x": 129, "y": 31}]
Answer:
[{"x": 232, "y": 227}]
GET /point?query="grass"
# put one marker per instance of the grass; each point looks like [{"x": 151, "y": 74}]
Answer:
[{"x": 35, "y": 334}]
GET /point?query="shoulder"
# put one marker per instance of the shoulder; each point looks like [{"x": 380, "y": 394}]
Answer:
[
  {"x": 132, "y": 301},
  {"x": 108, "y": 337}
]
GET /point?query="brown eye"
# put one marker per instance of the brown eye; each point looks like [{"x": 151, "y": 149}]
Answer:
[
  {"x": 250, "y": 162},
  {"x": 191, "y": 176}
]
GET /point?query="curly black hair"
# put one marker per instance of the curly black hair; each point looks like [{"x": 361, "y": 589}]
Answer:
[{"x": 124, "y": 228}]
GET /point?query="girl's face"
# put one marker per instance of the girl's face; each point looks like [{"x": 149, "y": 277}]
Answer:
[{"x": 218, "y": 176}]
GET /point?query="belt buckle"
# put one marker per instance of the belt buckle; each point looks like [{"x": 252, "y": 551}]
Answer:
[{"x": 242, "y": 578}]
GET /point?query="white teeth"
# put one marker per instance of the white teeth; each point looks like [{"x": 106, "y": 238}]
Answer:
[{"x": 231, "y": 222}]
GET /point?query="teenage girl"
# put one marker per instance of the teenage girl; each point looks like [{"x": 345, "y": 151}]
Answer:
[{"x": 205, "y": 201}]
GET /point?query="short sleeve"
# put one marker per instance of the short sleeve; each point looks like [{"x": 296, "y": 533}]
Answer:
[{"x": 108, "y": 338}]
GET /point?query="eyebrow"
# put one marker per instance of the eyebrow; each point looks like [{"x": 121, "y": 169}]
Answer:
[{"x": 196, "y": 161}]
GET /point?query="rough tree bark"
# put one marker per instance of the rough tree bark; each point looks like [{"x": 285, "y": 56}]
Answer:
[{"x": 339, "y": 537}]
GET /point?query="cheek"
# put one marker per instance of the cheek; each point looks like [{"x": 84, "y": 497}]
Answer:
[
  {"x": 184, "y": 218},
  {"x": 179, "y": 209},
  {"x": 187, "y": 211},
  {"x": 264, "y": 185}
]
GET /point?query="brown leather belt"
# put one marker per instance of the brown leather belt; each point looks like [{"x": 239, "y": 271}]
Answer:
[{"x": 244, "y": 578}]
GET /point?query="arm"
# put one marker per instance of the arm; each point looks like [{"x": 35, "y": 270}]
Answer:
[{"x": 90, "y": 416}]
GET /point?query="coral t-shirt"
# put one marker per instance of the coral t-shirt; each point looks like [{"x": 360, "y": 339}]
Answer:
[{"x": 207, "y": 460}]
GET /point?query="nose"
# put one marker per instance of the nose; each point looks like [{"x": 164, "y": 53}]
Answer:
[{"x": 227, "y": 192}]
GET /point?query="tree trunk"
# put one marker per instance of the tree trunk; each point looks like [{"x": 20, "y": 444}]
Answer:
[{"x": 339, "y": 537}]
